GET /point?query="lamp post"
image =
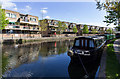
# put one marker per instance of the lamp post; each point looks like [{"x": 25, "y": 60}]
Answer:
[{"x": 42, "y": 13}]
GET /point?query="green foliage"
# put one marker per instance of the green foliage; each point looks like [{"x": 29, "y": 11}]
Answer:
[
  {"x": 61, "y": 27},
  {"x": 3, "y": 21},
  {"x": 112, "y": 64},
  {"x": 4, "y": 63},
  {"x": 94, "y": 31},
  {"x": 64, "y": 26},
  {"x": 75, "y": 29},
  {"x": 109, "y": 31},
  {"x": 85, "y": 29},
  {"x": 113, "y": 11},
  {"x": 43, "y": 25}
]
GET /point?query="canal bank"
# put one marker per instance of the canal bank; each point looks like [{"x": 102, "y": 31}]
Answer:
[
  {"x": 109, "y": 65},
  {"x": 14, "y": 40},
  {"x": 43, "y": 39}
]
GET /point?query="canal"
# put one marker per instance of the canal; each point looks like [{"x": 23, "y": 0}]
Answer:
[{"x": 45, "y": 60}]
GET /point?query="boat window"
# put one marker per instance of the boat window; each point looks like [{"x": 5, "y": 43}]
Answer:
[
  {"x": 91, "y": 43},
  {"x": 82, "y": 43},
  {"x": 97, "y": 43},
  {"x": 85, "y": 43},
  {"x": 77, "y": 43}
]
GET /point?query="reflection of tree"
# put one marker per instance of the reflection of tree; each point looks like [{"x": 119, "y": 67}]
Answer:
[
  {"x": 14, "y": 56},
  {"x": 4, "y": 63},
  {"x": 52, "y": 48}
]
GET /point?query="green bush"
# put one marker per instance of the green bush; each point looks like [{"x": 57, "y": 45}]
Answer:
[{"x": 85, "y": 29}]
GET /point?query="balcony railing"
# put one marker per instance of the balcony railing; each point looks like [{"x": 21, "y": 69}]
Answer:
[
  {"x": 12, "y": 27},
  {"x": 53, "y": 25},
  {"x": 18, "y": 27}
]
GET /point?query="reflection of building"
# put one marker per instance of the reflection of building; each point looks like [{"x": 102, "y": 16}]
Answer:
[
  {"x": 26, "y": 53},
  {"x": 21, "y": 23},
  {"x": 20, "y": 55}
]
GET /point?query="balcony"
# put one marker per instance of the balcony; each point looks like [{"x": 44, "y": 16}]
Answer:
[
  {"x": 25, "y": 28},
  {"x": 16, "y": 27},
  {"x": 23, "y": 20},
  {"x": 53, "y": 25}
]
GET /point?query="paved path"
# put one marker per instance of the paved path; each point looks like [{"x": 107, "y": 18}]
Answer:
[
  {"x": 101, "y": 74},
  {"x": 117, "y": 48}
]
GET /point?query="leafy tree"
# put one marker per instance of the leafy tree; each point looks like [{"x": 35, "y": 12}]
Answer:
[
  {"x": 109, "y": 31},
  {"x": 43, "y": 26},
  {"x": 75, "y": 29},
  {"x": 61, "y": 27},
  {"x": 64, "y": 26},
  {"x": 113, "y": 11},
  {"x": 85, "y": 29},
  {"x": 3, "y": 21},
  {"x": 94, "y": 31}
]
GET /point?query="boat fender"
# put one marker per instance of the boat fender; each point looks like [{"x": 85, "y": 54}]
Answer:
[{"x": 70, "y": 53}]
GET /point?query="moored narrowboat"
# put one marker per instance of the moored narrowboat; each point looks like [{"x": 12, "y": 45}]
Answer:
[{"x": 88, "y": 48}]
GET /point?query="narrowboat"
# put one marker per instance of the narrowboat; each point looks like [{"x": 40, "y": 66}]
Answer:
[{"x": 87, "y": 48}]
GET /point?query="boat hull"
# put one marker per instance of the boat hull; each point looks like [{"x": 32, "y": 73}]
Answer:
[{"x": 93, "y": 57}]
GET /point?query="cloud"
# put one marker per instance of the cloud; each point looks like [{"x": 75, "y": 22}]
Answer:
[
  {"x": 8, "y": 4},
  {"x": 44, "y": 8},
  {"x": 26, "y": 9},
  {"x": 15, "y": 9},
  {"x": 47, "y": 17},
  {"x": 43, "y": 11}
]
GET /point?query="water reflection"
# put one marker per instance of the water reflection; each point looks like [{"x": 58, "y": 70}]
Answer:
[
  {"x": 13, "y": 56},
  {"x": 48, "y": 59}
]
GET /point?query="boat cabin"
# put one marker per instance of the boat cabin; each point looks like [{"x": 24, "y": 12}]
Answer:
[{"x": 88, "y": 43}]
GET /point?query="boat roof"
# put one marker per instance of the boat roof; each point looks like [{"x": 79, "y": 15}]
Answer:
[{"x": 91, "y": 37}]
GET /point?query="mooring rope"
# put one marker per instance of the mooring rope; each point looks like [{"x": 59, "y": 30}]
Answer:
[{"x": 84, "y": 67}]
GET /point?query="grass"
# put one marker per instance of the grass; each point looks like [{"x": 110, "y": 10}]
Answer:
[{"x": 112, "y": 64}]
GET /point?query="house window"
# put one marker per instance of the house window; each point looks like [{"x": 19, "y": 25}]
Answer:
[
  {"x": 33, "y": 19},
  {"x": 8, "y": 15},
  {"x": 13, "y": 16}
]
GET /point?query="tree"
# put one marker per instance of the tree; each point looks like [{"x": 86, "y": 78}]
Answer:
[
  {"x": 61, "y": 26},
  {"x": 64, "y": 26},
  {"x": 85, "y": 29},
  {"x": 43, "y": 26},
  {"x": 109, "y": 31},
  {"x": 3, "y": 21},
  {"x": 75, "y": 29},
  {"x": 94, "y": 31},
  {"x": 113, "y": 11}
]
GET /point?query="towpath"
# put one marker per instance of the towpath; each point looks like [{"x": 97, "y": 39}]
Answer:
[{"x": 117, "y": 48}]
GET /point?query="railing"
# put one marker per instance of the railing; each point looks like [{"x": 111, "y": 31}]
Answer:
[
  {"x": 19, "y": 36},
  {"x": 20, "y": 27}
]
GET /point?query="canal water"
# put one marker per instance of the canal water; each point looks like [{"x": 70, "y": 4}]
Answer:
[{"x": 45, "y": 60}]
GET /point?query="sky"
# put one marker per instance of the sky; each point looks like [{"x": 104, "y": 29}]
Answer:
[{"x": 77, "y": 12}]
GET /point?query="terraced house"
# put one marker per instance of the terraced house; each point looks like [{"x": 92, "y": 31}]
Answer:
[
  {"x": 59, "y": 27},
  {"x": 21, "y": 24},
  {"x": 53, "y": 27}
]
